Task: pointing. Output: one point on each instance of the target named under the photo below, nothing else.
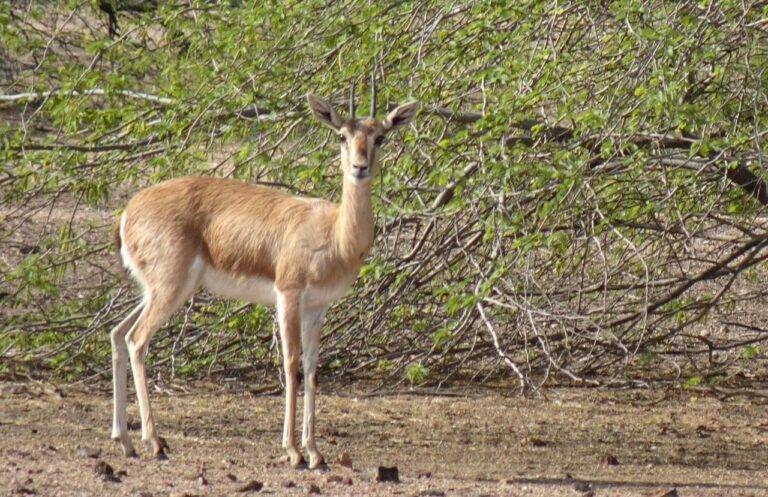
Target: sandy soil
(610, 443)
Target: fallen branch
(35, 96)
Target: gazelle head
(360, 139)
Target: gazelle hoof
(158, 447)
(296, 460)
(320, 467)
(163, 444)
(126, 446)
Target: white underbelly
(249, 288)
(262, 290)
(323, 296)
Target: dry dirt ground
(627, 443)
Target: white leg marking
(311, 321)
(119, 380)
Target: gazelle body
(253, 243)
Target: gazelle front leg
(289, 319)
(310, 342)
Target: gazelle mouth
(358, 175)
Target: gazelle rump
(253, 243)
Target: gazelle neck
(354, 225)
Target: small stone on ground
(390, 474)
(251, 486)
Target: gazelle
(254, 243)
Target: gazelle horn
(373, 91)
(352, 99)
(373, 88)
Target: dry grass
(486, 445)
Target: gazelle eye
(379, 140)
(342, 138)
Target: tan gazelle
(249, 242)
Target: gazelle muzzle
(361, 171)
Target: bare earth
(568, 444)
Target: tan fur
(250, 230)
(254, 243)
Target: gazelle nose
(360, 170)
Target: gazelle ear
(400, 116)
(324, 112)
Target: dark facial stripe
(360, 144)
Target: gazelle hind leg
(156, 312)
(161, 301)
(119, 381)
